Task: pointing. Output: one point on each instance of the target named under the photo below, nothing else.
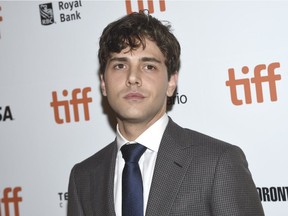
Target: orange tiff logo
(10, 196)
(78, 96)
(150, 5)
(262, 74)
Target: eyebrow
(150, 59)
(121, 59)
(143, 59)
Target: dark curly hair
(131, 31)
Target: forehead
(149, 50)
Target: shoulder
(100, 158)
(202, 142)
(209, 154)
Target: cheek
(112, 89)
(160, 89)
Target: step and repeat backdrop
(233, 86)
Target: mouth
(134, 96)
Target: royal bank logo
(142, 5)
(46, 14)
(64, 11)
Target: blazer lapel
(172, 162)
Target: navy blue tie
(132, 186)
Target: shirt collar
(150, 138)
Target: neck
(131, 130)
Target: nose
(134, 78)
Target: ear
(172, 84)
(103, 85)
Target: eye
(119, 66)
(149, 67)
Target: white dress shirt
(151, 139)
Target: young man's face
(136, 84)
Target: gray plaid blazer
(195, 175)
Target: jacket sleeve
(234, 192)
(74, 204)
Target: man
(183, 172)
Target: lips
(134, 96)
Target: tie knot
(132, 153)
